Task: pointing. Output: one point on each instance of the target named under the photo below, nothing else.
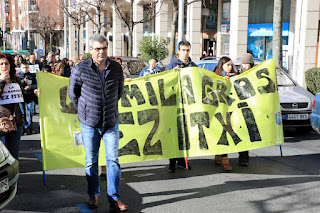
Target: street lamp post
(4, 24)
(28, 43)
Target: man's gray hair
(97, 37)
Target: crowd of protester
(17, 70)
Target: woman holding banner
(226, 69)
(11, 122)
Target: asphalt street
(271, 183)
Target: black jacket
(28, 95)
(97, 104)
(175, 61)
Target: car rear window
(207, 66)
(135, 66)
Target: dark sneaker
(172, 165)
(243, 161)
(25, 130)
(182, 165)
(93, 202)
(118, 205)
(29, 131)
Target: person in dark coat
(95, 87)
(180, 60)
(8, 76)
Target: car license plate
(297, 117)
(4, 185)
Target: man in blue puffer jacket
(180, 60)
(95, 87)
(152, 69)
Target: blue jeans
(12, 141)
(91, 138)
(27, 109)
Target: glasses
(102, 48)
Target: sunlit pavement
(271, 183)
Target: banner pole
(44, 177)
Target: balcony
(33, 8)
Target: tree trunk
(78, 41)
(277, 32)
(131, 30)
(50, 41)
(130, 39)
(99, 22)
(173, 29)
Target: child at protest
(46, 68)
(226, 69)
(29, 84)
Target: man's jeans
(91, 139)
(27, 109)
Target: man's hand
(4, 75)
(127, 79)
(36, 92)
(27, 88)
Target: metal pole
(65, 31)
(219, 36)
(181, 20)
(4, 25)
(28, 5)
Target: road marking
(39, 156)
(84, 208)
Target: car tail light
(313, 104)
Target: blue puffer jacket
(146, 71)
(175, 61)
(97, 104)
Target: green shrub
(153, 47)
(312, 77)
(86, 56)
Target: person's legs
(23, 111)
(111, 143)
(30, 112)
(13, 142)
(91, 139)
(244, 158)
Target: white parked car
(296, 102)
(9, 175)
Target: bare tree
(78, 14)
(127, 18)
(45, 24)
(94, 9)
(277, 32)
(174, 26)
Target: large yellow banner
(191, 112)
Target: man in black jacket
(29, 84)
(95, 87)
(180, 60)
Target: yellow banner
(191, 112)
